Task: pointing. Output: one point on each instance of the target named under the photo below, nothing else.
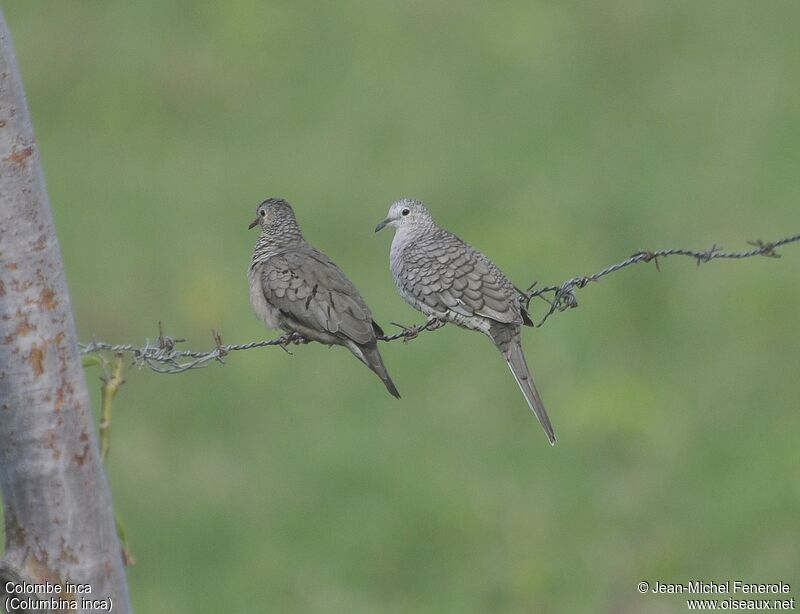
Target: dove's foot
(408, 332)
(412, 332)
(287, 339)
(433, 323)
(284, 341)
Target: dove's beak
(382, 224)
(253, 224)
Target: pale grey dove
(297, 288)
(450, 281)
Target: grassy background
(556, 136)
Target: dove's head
(407, 213)
(274, 214)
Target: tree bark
(59, 520)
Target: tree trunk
(59, 520)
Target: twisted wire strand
(162, 356)
(563, 295)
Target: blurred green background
(558, 137)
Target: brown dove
(296, 288)
(450, 281)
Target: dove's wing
(306, 285)
(446, 274)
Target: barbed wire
(564, 294)
(163, 356)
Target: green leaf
(90, 360)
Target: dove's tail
(370, 356)
(512, 352)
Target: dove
(296, 288)
(450, 281)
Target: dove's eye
(405, 212)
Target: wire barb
(164, 357)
